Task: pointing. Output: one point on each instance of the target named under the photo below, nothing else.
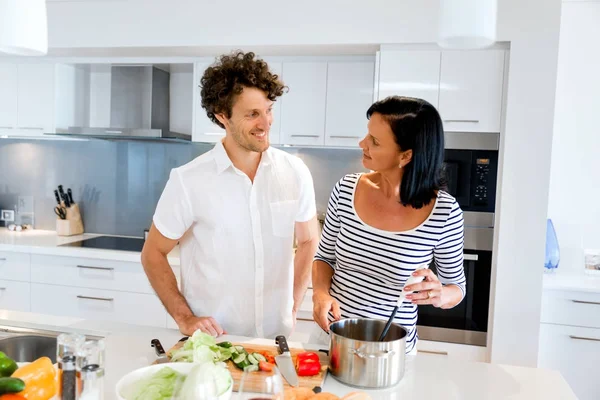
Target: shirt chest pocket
(283, 216)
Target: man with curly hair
(235, 211)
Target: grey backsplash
(118, 183)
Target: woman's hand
(430, 290)
(323, 303)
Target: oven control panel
(482, 172)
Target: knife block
(72, 225)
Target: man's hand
(189, 325)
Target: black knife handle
(157, 346)
(66, 200)
(57, 196)
(61, 191)
(70, 194)
(282, 343)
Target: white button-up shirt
(237, 237)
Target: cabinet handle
(6, 127)
(343, 137)
(309, 136)
(37, 128)
(113, 132)
(3, 259)
(100, 268)
(2, 288)
(471, 121)
(95, 298)
(305, 319)
(584, 338)
(441, 353)
(586, 302)
(471, 257)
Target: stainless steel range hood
(136, 106)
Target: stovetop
(110, 243)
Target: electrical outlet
(7, 215)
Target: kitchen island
(427, 376)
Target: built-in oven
(466, 323)
(471, 170)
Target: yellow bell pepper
(40, 379)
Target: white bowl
(140, 373)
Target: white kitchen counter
(572, 280)
(48, 242)
(427, 376)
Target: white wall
(531, 26)
(575, 176)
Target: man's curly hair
(224, 80)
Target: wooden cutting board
(252, 384)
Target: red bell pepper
(308, 364)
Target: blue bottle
(552, 249)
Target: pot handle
(380, 354)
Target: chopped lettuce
(205, 381)
(159, 386)
(199, 348)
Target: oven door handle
(471, 257)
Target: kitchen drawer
(573, 351)
(14, 295)
(452, 350)
(90, 273)
(571, 308)
(94, 304)
(14, 266)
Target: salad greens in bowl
(203, 377)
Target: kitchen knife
(284, 361)
(57, 196)
(161, 356)
(61, 192)
(66, 200)
(70, 194)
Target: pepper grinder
(67, 348)
(91, 365)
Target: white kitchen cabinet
(204, 130)
(452, 350)
(349, 95)
(471, 85)
(27, 99)
(574, 352)
(98, 304)
(303, 107)
(571, 308)
(412, 73)
(35, 99)
(90, 273)
(14, 295)
(8, 98)
(14, 266)
(275, 131)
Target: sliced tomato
(268, 356)
(265, 366)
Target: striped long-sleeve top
(371, 265)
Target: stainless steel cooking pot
(358, 359)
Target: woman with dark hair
(382, 225)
